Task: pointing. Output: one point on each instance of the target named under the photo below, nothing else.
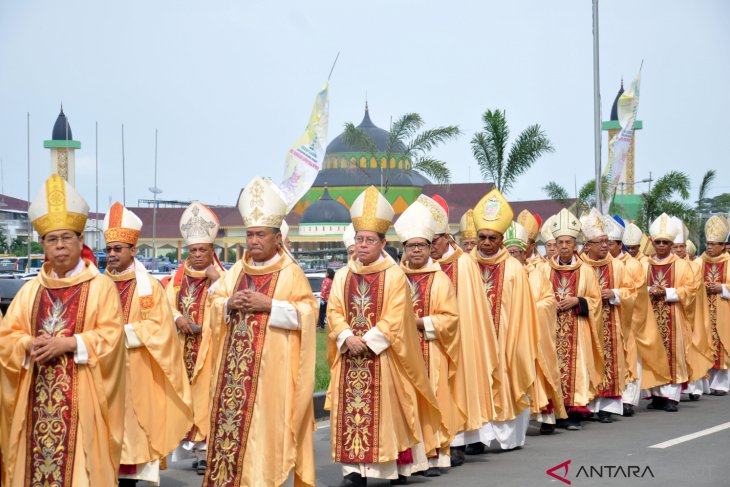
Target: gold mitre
(632, 235)
(262, 204)
(467, 229)
(58, 206)
(493, 212)
(371, 211)
(516, 236)
(691, 248)
(416, 222)
(121, 225)
(440, 218)
(663, 228)
(592, 225)
(530, 223)
(647, 246)
(546, 233)
(198, 224)
(716, 229)
(565, 224)
(348, 238)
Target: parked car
(315, 281)
(9, 287)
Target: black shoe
(574, 425)
(127, 482)
(671, 406)
(354, 480)
(604, 417)
(201, 467)
(195, 464)
(433, 472)
(628, 410)
(457, 456)
(694, 397)
(561, 423)
(476, 449)
(716, 392)
(402, 480)
(657, 403)
(547, 429)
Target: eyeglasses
(370, 241)
(491, 238)
(419, 246)
(663, 242)
(598, 242)
(116, 249)
(64, 239)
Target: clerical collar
(485, 256)
(560, 261)
(272, 260)
(380, 259)
(427, 264)
(116, 273)
(448, 253)
(73, 272)
(657, 259)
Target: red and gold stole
(663, 275)
(358, 415)
(493, 281)
(420, 286)
(565, 284)
(190, 301)
(714, 272)
(610, 385)
(52, 418)
(236, 385)
(126, 293)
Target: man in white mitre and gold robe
(467, 231)
(62, 359)
(383, 413)
(262, 415)
(157, 408)
(434, 303)
(190, 297)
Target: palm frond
(556, 192)
(486, 158)
(707, 180)
(403, 129)
(526, 150)
(437, 170)
(358, 138)
(429, 139)
(672, 182)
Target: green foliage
(659, 199)
(586, 198)
(322, 368)
(19, 247)
(418, 146)
(489, 148)
(4, 244)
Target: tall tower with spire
(62, 145)
(613, 127)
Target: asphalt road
(702, 461)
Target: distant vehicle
(13, 263)
(315, 281)
(8, 289)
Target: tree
(404, 139)
(4, 246)
(489, 148)
(586, 198)
(659, 199)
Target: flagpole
(96, 156)
(597, 108)
(30, 230)
(333, 65)
(124, 178)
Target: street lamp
(155, 191)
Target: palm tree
(703, 208)
(404, 139)
(585, 200)
(495, 161)
(659, 200)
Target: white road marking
(323, 425)
(692, 436)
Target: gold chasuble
(714, 316)
(187, 294)
(62, 422)
(477, 379)
(262, 415)
(157, 410)
(670, 318)
(546, 394)
(379, 403)
(577, 340)
(433, 296)
(612, 275)
(508, 292)
(633, 315)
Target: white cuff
(616, 300)
(725, 293)
(26, 361)
(211, 288)
(226, 316)
(81, 355)
(376, 341)
(131, 340)
(283, 315)
(429, 332)
(344, 335)
(672, 296)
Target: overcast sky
(230, 85)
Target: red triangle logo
(560, 476)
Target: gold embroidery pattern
(420, 286)
(492, 281)
(236, 388)
(357, 427)
(609, 386)
(714, 274)
(52, 416)
(191, 304)
(661, 275)
(565, 284)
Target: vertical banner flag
(304, 159)
(628, 106)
